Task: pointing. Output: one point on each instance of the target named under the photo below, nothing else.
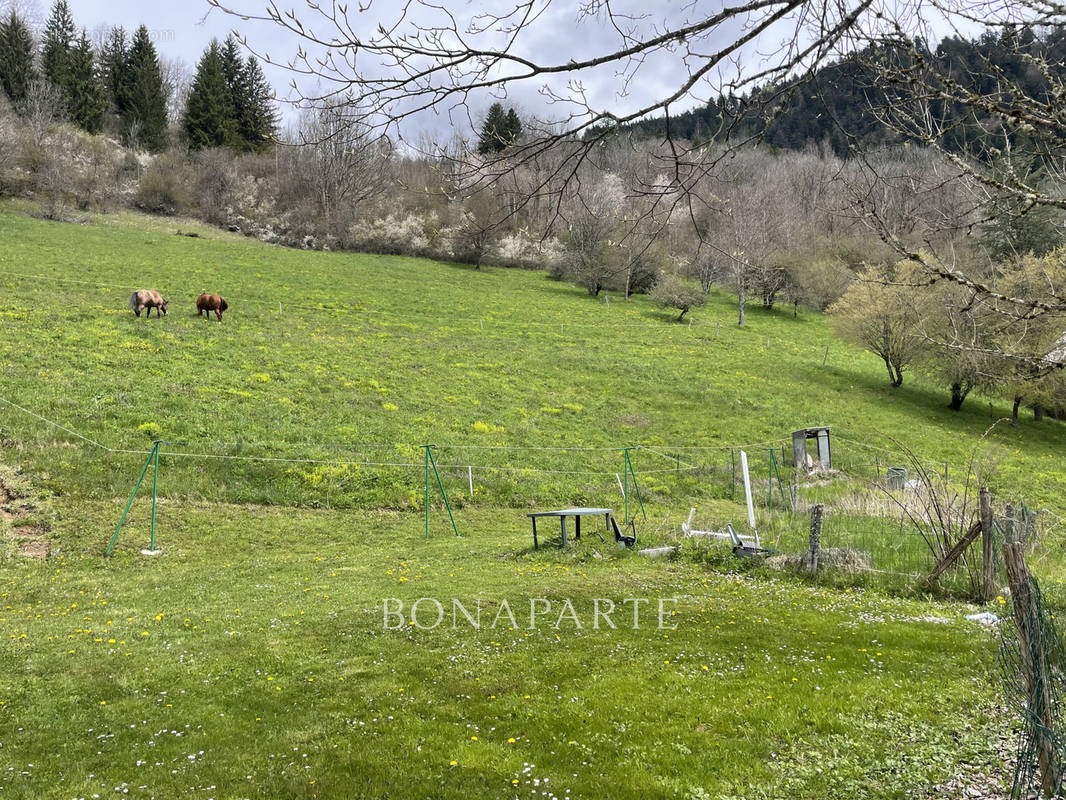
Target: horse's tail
(133, 300)
(222, 303)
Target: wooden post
(988, 585)
(953, 554)
(815, 538)
(1035, 677)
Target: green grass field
(250, 658)
(371, 357)
(250, 661)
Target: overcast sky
(181, 29)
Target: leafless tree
(478, 225)
(32, 11)
(593, 258)
(423, 57)
(8, 145)
(740, 226)
(41, 108)
(177, 81)
(216, 175)
(336, 156)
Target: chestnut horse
(209, 303)
(148, 298)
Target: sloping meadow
(330, 371)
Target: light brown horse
(209, 303)
(148, 298)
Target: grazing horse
(209, 303)
(148, 298)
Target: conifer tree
(499, 131)
(146, 107)
(58, 44)
(234, 75)
(514, 126)
(16, 56)
(86, 99)
(115, 69)
(209, 120)
(259, 122)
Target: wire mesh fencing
(1032, 666)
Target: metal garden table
(577, 514)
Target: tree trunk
(740, 306)
(1038, 412)
(897, 379)
(1014, 411)
(957, 396)
(891, 374)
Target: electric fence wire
(331, 462)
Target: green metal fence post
(137, 486)
(443, 493)
(628, 472)
(432, 462)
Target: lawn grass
(250, 660)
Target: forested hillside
(832, 107)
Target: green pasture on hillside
(336, 361)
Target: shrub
(673, 291)
(522, 251)
(409, 234)
(215, 183)
(8, 147)
(164, 187)
(819, 281)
